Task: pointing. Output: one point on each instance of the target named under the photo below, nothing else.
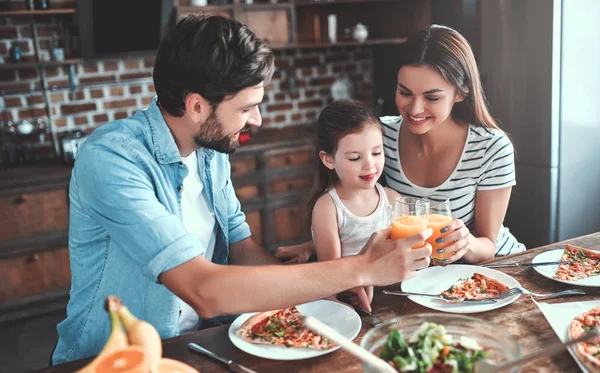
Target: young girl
(347, 203)
(445, 142)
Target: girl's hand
(295, 254)
(361, 297)
(459, 239)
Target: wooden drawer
(254, 220)
(34, 274)
(287, 159)
(185, 10)
(290, 185)
(243, 166)
(290, 223)
(269, 25)
(33, 213)
(247, 192)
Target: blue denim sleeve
(117, 193)
(238, 228)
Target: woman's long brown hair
(338, 119)
(449, 53)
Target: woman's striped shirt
(487, 163)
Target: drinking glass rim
(433, 203)
(415, 200)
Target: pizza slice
(283, 327)
(585, 263)
(588, 352)
(477, 287)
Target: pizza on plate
(585, 263)
(477, 287)
(588, 352)
(281, 328)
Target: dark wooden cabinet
(273, 182)
(292, 184)
(34, 274)
(289, 223)
(27, 214)
(280, 158)
(34, 224)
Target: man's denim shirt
(126, 227)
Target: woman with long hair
(446, 143)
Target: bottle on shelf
(42, 5)
(58, 53)
(10, 142)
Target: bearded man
(154, 218)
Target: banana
(140, 333)
(117, 339)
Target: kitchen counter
(52, 174)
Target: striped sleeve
(498, 164)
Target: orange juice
(437, 222)
(405, 226)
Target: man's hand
(387, 262)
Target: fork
(374, 319)
(519, 290)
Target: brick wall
(300, 99)
(297, 93)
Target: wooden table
(522, 319)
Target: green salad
(431, 350)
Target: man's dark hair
(213, 56)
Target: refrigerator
(540, 66)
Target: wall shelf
(221, 8)
(306, 3)
(10, 13)
(33, 64)
(33, 244)
(349, 43)
(37, 305)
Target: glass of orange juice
(409, 216)
(439, 217)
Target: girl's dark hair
(338, 119)
(213, 56)
(449, 53)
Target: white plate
(559, 316)
(550, 271)
(434, 280)
(340, 317)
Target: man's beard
(211, 136)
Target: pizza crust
(592, 363)
(244, 330)
(301, 340)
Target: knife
(526, 264)
(235, 367)
(445, 299)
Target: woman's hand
(295, 254)
(459, 240)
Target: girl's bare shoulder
(324, 203)
(391, 194)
